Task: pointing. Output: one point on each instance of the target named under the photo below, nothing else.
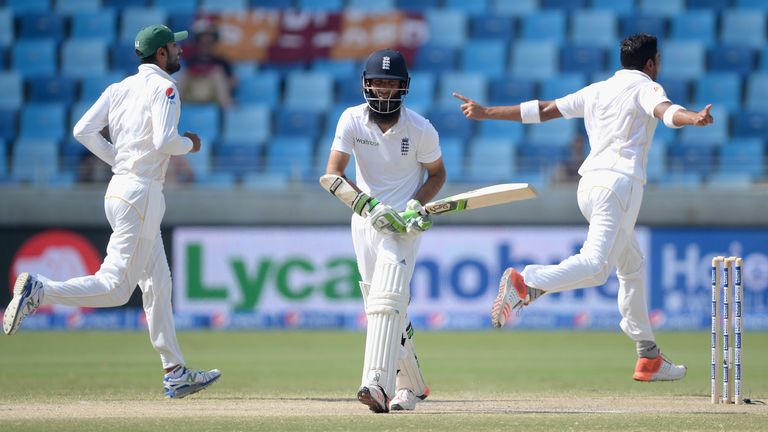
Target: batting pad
(409, 374)
(385, 308)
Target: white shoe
(513, 294)
(27, 295)
(404, 400)
(374, 397)
(658, 369)
(182, 382)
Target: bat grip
(409, 214)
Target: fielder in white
(398, 162)
(620, 115)
(142, 113)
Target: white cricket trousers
(610, 202)
(135, 255)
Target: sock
(647, 349)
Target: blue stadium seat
(751, 124)
(535, 60)
(487, 56)
(181, 21)
(265, 181)
(53, 89)
(308, 90)
(553, 132)
(4, 171)
(594, 27)
(41, 25)
(84, 58)
(34, 58)
(475, 7)
(682, 60)
(500, 130)
(237, 158)
(218, 180)
(72, 154)
(450, 122)
(123, 58)
(743, 27)
(321, 5)
(586, 59)
(511, 90)
(72, 7)
(247, 124)
(435, 58)
(695, 25)
(202, 119)
(23, 6)
(758, 5)
(35, 160)
(174, 7)
(566, 5)
(680, 180)
(678, 89)
(517, 8)
(371, 5)
(472, 85)
(201, 161)
(716, 133)
(642, 23)
(547, 25)
(349, 90)
(290, 156)
(745, 155)
(76, 112)
(422, 91)
(133, 19)
(491, 161)
(99, 24)
(93, 87)
(757, 92)
(263, 87)
(12, 95)
(292, 122)
(42, 121)
(491, 26)
(271, 4)
(721, 90)
(6, 27)
(538, 156)
(665, 8)
(621, 7)
(711, 5)
(656, 166)
(561, 85)
(447, 27)
(224, 6)
(416, 5)
(691, 157)
(731, 58)
(3, 57)
(453, 157)
(8, 124)
(122, 4)
(729, 180)
(336, 67)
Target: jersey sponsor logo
(170, 94)
(404, 146)
(366, 142)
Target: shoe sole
(11, 316)
(177, 395)
(498, 318)
(365, 397)
(398, 407)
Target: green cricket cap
(149, 39)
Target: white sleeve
(165, 106)
(429, 145)
(88, 130)
(650, 96)
(572, 105)
(343, 140)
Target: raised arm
(533, 111)
(675, 116)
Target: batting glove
(420, 223)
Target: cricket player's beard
(173, 66)
(384, 118)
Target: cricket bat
(483, 197)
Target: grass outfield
(72, 381)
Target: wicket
(727, 289)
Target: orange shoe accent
(646, 368)
(426, 393)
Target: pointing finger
(461, 97)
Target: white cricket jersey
(618, 115)
(388, 165)
(142, 112)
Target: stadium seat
(84, 58)
(42, 121)
(541, 156)
(73, 7)
(34, 160)
(680, 180)
(731, 180)
(721, 90)
(500, 130)
(453, 157)
(642, 23)
(743, 27)
(491, 26)
(202, 119)
(349, 90)
(665, 8)
(294, 122)
(271, 4)
(517, 8)
(472, 85)
(447, 27)
(554, 132)
(450, 122)
(758, 5)
(12, 95)
(41, 25)
(247, 124)
(745, 155)
(567, 5)
(620, 7)
(6, 27)
(201, 161)
(336, 67)
(656, 165)
(8, 124)
(714, 134)
(99, 24)
(133, 19)
(223, 6)
(487, 56)
(491, 161)
(757, 92)
(535, 60)
(53, 89)
(308, 90)
(710, 5)
(34, 58)
(510, 90)
(421, 93)
(546, 25)
(23, 6)
(174, 7)
(290, 156)
(371, 5)
(678, 89)
(691, 157)
(181, 20)
(71, 155)
(475, 7)
(219, 180)
(4, 172)
(586, 59)
(435, 58)
(265, 181)
(682, 60)
(695, 25)
(122, 4)
(263, 87)
(751, 124)
(594, 27)
(731, 58)
(237, 158)
(123, 58)
(561, 85)
(321, 5)
(93, 87)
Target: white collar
(151, 67)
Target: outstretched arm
(546, 110)
(675, 116)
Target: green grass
(78, 367)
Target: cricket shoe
(513, 294)
(405, 400)
(374, 397)
(658, 369)
(27, 295)
(182, 382)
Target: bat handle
(409, 214)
